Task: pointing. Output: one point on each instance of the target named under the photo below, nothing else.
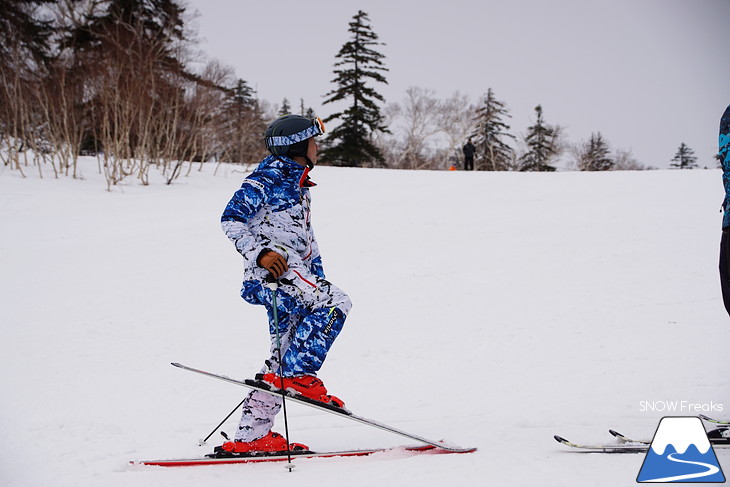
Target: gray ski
(341, 412)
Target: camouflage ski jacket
(271, 211)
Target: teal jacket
(725, 161)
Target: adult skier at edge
(268, 220)
(724, 155)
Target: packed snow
(491, 310)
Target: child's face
(312, 150)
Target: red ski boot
(308, 386)
(271, 443)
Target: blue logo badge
(680, 452)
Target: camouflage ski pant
(310, 312)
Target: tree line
(112, 78)
(425, 132)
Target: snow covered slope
(490, 309)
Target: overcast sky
(647, 74)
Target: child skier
(268, 221)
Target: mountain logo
(680, 452)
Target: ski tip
(560, 439)
(712, 420)
(442, 447)
(175, 364)
(615, 434)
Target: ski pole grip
(271, 282)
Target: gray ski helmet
(288, 135)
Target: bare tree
(416, 119)
(624, 160)
(427, 132)
(456, 119)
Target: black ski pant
(725, 268)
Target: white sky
(647, 74)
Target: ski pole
(202, 442)
(274, 286)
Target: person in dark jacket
(469, 150)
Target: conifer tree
(542, 145)
(243, 95)
(128, 57)
(24, 36)
(134, 25)
(350, 142)
(25, 45)
(493, 153)
(242, 124)
(595, 155)
(285, 108)
(684, 158)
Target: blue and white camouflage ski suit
(271, 211)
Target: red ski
(398, 452)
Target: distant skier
(468, 151)
(724, 155)
(268, 220)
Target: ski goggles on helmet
(317, 128)
(319, 124)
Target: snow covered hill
(490, 310)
